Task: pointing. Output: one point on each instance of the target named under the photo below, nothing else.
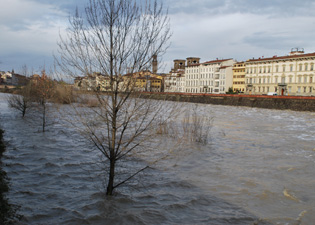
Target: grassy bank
(7, 212)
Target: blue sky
(209, 29)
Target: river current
(258, 168)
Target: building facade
(175, 80)
(214, 76)
(239, 77)
(293, 74)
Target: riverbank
(295, 103)
(7, 211)
(8, 89)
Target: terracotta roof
(193, 58)
(154, 78)
(282, 57)
(215, 61)
(19, 75)
(223, 67)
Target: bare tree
(115, 37)
(43, 89)
(21, 102)
(24, 70)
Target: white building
(7, 77)
(210, 77)
(170, 83)
(175, 80)
(180, 82)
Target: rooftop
(216, 61)
(282, 57)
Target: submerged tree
(21, 102)
(115, 37)
(43, 90)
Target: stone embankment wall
(296, 103)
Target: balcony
(282, 84)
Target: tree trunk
(110, 185)
(44, 117)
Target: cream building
(170, 83)
(210, 77)
(180, 82)
(175, 80)
(284, 75)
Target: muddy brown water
(259, 168)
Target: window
(277, 69)
(283, 68)
(304, 89)
(299, 90)
(291, 68)
(312, 67)
(289, 89)
(290, 80)
(283, 80)
(269, 69)
(306, 67)
(300, 67)
(300, 79)
(305, 79)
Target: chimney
(154, 64)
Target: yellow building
(143, 81)
(239, 77)
(94, 81)
(155, 84)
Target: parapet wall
(296, 103)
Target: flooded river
(259, 168)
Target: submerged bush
(195, 126)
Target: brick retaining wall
(296, 103)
